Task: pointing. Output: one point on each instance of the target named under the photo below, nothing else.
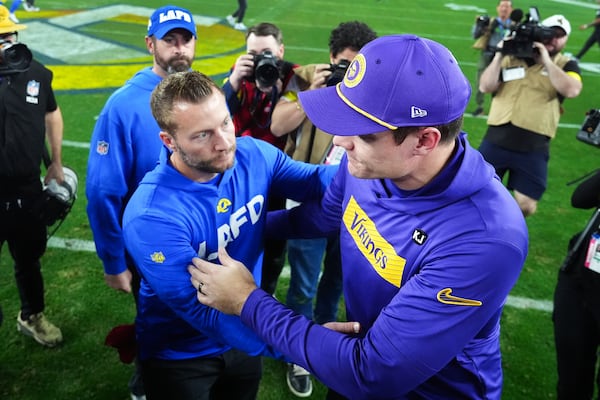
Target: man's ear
(429, 139)
(167, 140)
(149, 44)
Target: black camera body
(337, 72)
(481, 24)
(266, 69)
(523, 35)
(590, 130)
(14, 58)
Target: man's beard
(206, 166)
(175, 64)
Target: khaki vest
(530, 103)
(314, 143)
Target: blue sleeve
(296, 180)
(160, 246)
(316, 217)
(413, 337)
(109, 161)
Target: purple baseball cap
(167, 18)
(394, 81)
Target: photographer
(489, 32)
(526, 108)
(251, 99)
(576, 313)
(252, 92)
(28, 115)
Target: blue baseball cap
(167, 18)
(394, 81)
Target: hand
(541, 56)
(55, 171)
(343, 327)
(319, 78)
(224, 287)
(244, 66)
(121, 282)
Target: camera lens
(15, 57)
(266, 69)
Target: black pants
(241, 11)
(232, 375)
(577, 339)
(26, 238)
(594, 38)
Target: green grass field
(94, 46)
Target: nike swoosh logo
(445, 296)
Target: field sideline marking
(88, 246)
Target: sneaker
(298, 380)
(13, 18)
(240, 26)
(230, 19)
(136, 397)
(39, 328)
(30, 7)
(478, 111)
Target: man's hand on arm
(224, 287)
(120, 281)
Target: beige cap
(6, 25)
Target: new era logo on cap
(168, 18)
(416, 112)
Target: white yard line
(88, 246)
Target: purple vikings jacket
(426, 273)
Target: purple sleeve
(417, 334)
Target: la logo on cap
(174, 14)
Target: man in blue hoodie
(208, 191)
(431, 242)
(125, 145)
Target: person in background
(208, 191)
(515, 143)
(488, 36)
(29, 114)
(431, 241)
(252, 101)
(237, 17)
(310, 144)
(576, 313)
(594, 36)
(125, 145)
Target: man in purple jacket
(431, 241)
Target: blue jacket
(170, 219)
(124, 146)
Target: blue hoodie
(124, 146)
(170, 219)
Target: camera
(337, 72)
(523, 35)
(481, 24)
(14, 57)
(266, 69)
(590, 130)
